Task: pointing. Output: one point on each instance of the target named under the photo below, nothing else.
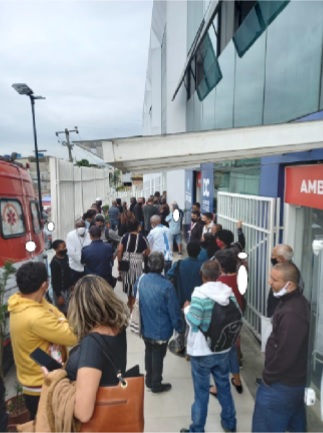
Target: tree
(83, 163)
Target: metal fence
(260, 216)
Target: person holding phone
(34, 323)
(95, 313)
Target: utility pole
(67, 142)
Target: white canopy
(173, 151)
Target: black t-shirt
(142, 243)
(89, 354)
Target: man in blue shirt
(174, 220)
(160, 315)
(98, 256)
(114, 213)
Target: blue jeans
(279, 408)
(234, 361)
(167, 266)
(202, 367)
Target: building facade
(228, 64)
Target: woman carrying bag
(132, 249)
(98, 394)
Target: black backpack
(225, 326)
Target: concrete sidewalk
(171, 411)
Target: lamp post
(23, 89)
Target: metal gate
(260, 216)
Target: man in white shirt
(207, 218)
(75, 241)
(160, 239)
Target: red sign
(304, 185)
(199, 179)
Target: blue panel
(189, 194)
(207, 187)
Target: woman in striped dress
(133, 248)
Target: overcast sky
(88, 58)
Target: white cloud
(88, 58)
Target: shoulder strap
(128, 241)
(165, 240)
(108, 356)
(137, 294)
(137, 241)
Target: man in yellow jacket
(34, 323)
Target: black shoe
(237, 387)
(184, 430)
(227, 429)
(258, 381)
(164, 387)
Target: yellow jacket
(32, 325)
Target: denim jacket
(159, 307)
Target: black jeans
(154, 362)
(32, 404)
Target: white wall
(173, 15)
(176, 54)
(73, 190)
(175, 181)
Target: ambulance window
(12, 218)
(35, 215)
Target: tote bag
(118, 408)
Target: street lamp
(23, 89)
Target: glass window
(208, 72)
(224, 89)
(35, 215)
(248, 32)
(270, 9)
(12, 219)
(259, 16)
(249, 85)
(293, 64)
(309, 227)
(195, 15)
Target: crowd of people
(176, 299)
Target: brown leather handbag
(118, 408)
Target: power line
(67, 142)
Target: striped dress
(133, 247)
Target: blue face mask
(87, 224)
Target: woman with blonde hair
(98, 318)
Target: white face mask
(81, 231)
(282, 292)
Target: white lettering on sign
(206, 183)
(312, 186)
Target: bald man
(160, 239)
(279, 404)
(281, 253)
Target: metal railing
(260, 216)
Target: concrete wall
(73, 190)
